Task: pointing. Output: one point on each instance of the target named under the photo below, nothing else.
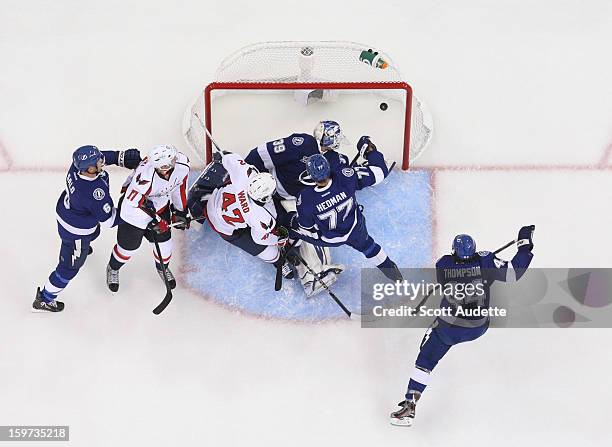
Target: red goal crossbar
(310, 86)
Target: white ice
(522, 103)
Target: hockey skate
(112, 279)
(169, 277)
(40, 305)
(405, 415)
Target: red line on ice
(603, 162)
(6, 157)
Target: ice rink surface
(522, 106)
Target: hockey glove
(283, 235)
(218, 155)
(129, 158)
(160, 226)
(524, 241)
(365, 146)
(181, 219)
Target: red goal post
(331, 73)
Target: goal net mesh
(262, 67)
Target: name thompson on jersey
(466, 316)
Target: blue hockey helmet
(318, 167)
(86, 156)
(328, 134)
(464, 246)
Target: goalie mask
(328, 134)
(262, 187)
(163, 157)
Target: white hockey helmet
(262, 187)
(163, 157)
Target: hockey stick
(500, 249)
(278, 280)
(213, 141)
(161, 306)
(191, 219)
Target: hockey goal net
(268, 90)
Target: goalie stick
(500, 249)
(351, 315)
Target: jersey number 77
(343, 210)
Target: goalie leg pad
(319, 260)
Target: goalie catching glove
(365, 146)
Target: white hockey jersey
(230, 208)
(146, 184)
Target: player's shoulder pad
(145, 170)
(306, 196)
(182, 159)
(484, 254)
(490, 261)
(348, 172)
(99, 193)
(96, 189)
(299, 139)
(444, 260)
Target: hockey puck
(383, 106)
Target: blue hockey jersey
(85, 203)
(330, 213)
(481, 272)
(286, 160)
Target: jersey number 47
(228, 200)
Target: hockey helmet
(262, 187)
(318, 167)
(464, 247)
(328, 134)
(163, 157)
(85, 157)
